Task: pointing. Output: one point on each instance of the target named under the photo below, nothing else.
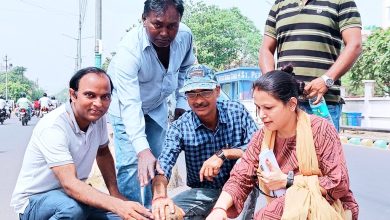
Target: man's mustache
(200, 105)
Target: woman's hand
(273, 180)
(217, 214)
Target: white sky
(37, 34)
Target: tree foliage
(224, 38)
(18, 83)
(374, 63)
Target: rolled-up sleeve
(124, 67)
(171, 150)
(242, 180)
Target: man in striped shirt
(309, 34)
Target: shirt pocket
(170, 83)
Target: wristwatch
(328, 81)
(290, 179)
(220, 154)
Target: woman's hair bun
(288, 69)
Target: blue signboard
(237, 82)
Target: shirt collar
(74, 125)
(222, 118)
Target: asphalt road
(369, 171)
(13, 141)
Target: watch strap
(220, 154)
(290, 179)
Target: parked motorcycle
(3, 115)
(24, 117)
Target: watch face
(329, 82)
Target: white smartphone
(269, 154)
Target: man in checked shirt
(213, 136)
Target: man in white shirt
(3, 103)
(24, 102)
(60, 155)
(44, 101)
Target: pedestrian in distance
(60, 155)
(149, 65)
(213, 136)
(310, 35)
(309, 160)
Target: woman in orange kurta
(275, 96)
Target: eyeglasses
(205, 94)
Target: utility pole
(98, 34)
(78, 64)
(6, 77)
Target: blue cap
(199, 77)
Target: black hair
(75, 80)
(281, 84)
(45, 94)
(160, 6)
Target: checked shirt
(234, 130)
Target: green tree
(224, 38)
(18, 83)
(374, 63)
(63, 95)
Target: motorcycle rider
(54, 102)
(2, 102)
(25, 103)
(45, 103)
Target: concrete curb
(367, 142)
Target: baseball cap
(199, 77)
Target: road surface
(369, 171)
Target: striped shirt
(309, 35)
(234, 130)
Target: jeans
(334, 110)
(56, 204)
(197, 203)
(127, 160)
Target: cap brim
(195, 86)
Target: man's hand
(210, 168)
(146, 165)
(178, 113)
(273, 180)
(163, 207)
(132, 210)
(316, 88)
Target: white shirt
(57, 140)
(44, 101)
(142, 84)
(2, 103)
(24, 103)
